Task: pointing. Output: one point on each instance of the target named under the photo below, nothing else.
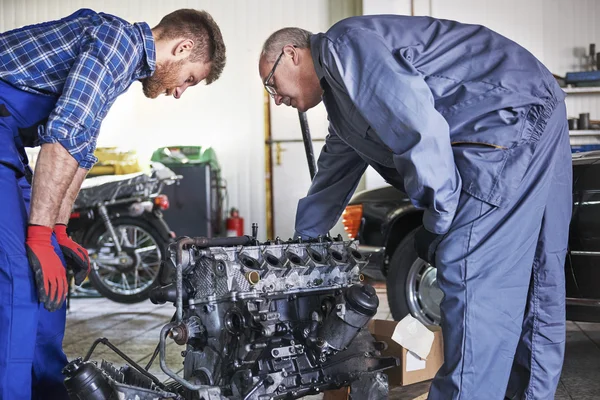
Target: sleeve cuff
(85, 160)
(437, 223)
(88, 161)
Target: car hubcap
(423, 293)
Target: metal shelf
(582, 138)
(584, 133)
(582, 90)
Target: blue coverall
(68, 72)
(31, 355)
(472, 127)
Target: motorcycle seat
(104, 179)
(102, 188)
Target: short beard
(166, 76)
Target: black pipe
(135, 365)
(310, 155)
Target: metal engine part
(273, 320)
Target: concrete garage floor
(135, 330)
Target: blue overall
(31, 355)
(472, 127)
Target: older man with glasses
(472, 127)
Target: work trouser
(502, 273)
(31, 355)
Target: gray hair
(297, 37)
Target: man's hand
(77, 258)
(426, 244)
(50, 274)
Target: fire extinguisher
(235, 223)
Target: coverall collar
(315, 46)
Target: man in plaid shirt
(57, 82)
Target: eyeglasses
(270, 88)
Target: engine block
(273, 320)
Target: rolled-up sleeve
(75, 121)
(398, 105)
(339, 170)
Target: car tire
(402, 282)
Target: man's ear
(292, 52)
(183, 48)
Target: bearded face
(165, 79)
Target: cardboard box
(412, 369)
(340, 394)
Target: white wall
(227, 114)
(569, 28)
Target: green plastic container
(186, 155)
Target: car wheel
(412, 285)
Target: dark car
(384, 221)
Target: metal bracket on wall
(280, 149)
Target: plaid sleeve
(90, 159)
(102, 63)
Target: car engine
(272, 320)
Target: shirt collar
(315, 51)
(148, 64)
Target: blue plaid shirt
(86, 60)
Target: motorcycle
(118, 219)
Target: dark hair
(203, 30)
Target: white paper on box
(414, 336)
(413, 362)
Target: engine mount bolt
(275, 352)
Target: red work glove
(50, 274)
(77, 257)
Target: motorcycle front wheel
(128, 276)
